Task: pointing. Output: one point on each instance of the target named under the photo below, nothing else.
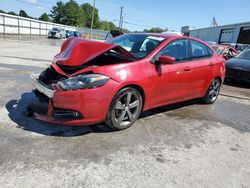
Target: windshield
(55, 29)
(139, 45)
(245, 54)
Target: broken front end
(72, 100)
(73, 90)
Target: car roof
(172, 36)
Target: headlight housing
(84, 81)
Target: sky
(144, 14)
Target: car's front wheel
(212, 92)
(124, 109)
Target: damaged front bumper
(41, 87)
(45, 110)
(75, 107)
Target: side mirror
(166, 60)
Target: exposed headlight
(84, 81)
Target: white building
(233, 33)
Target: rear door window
(199, 50)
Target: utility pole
(92, 20)
(121, 19)
(122, 23)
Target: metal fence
(16, 25)
(96, 34)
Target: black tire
(212, 92)
(123, 113)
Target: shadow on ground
(237, 84)
(17, 109)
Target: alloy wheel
(214, 90)
(127, 108)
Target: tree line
(73, 14)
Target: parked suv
(57, 32)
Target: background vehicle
(69, 33)
(211, 43)
(72, 33)
(225, 51)
(57, 32)
(238, 68)
(77, 34)
(115, 81)
(238, 47)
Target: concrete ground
(184, 145)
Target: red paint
(76, 51)
(224, 51)
(161, 84)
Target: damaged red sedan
(225, 51)
(113, 82)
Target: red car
(91, 82)
(225, 51)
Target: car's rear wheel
(212, 92)
(124, 109)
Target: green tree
(88, 11)
(12, 13)
(1, 11)
(112, 26)
(155, 30)
(104, 25)
(124, 30)
(69, 13)
(58, 13)
(23, 14)
(74, 14)
(44, 17)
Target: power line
(146, 22)
(135, 24)
(131, 23)
(33, 4)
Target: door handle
(187, 69)
(211, 64)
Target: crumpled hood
(76, 51)
(236, 63)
